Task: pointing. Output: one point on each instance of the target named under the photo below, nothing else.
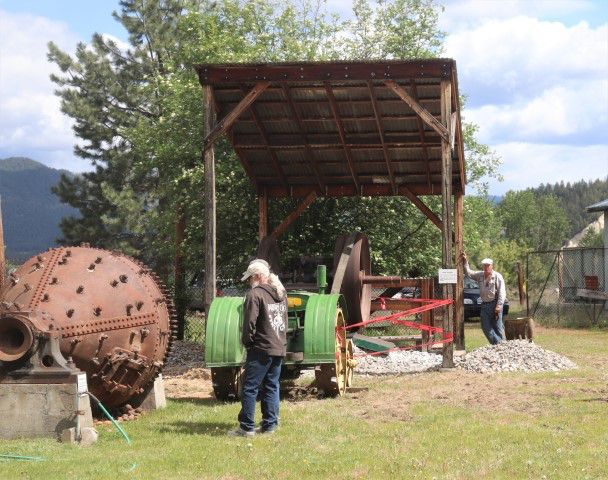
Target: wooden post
(459, 294)
(210, 232)
(263, 213)
(2, 257)
(520, 284)
(446, 197)
(179, 284)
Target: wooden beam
(446, 197)
(336, 113)
(425, 152)
(236, 112)
(422, 207)
(459, 139)
(389, 167)
(424, 114)
(295, 214)
(209, 201)
(433, 68)
(458, 248)
(273, 154)
(263, 213)
(308, 151)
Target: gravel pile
(513, 356)
(396, 362)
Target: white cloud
(525, 52)
(31, 123)
(528, 165)
(558, 112)
(465, 14)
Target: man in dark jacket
(265, 339)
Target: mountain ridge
(31, 212)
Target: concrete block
(153, 398)
(88, 436)
(41, 410)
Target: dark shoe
(261, 430)
(239, 432)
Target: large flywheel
(351, 265)
(333, 378)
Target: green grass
(551, 425)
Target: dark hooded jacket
(265, 321)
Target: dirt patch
(185, 382)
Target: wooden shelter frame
(403, 139)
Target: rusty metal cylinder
(113, 317)
(16, 339)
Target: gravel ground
(396, 362)
(514, 356)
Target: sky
(534, 72)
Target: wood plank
(323, 71)
(209, 201)
(234, 114)
(340, 127)
(593, 294)
(284, 225)
(389, 167)
(367, 189)
(426, 116)
(263, 213)
(446, 197)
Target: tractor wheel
(227, 383)
(332, 378)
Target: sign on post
(448, 275)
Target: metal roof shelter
(304, 130)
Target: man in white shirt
(493, 295)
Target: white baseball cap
(256, 267)
(487, 261)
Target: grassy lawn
(450, 424)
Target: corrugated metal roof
(323, 125)
(598, 207)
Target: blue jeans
(491, 324)
(261, 370)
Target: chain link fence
(567, 287)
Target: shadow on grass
(212, 429)
(208, 402)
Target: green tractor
(316, 336)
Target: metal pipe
(382, 281)
(16, 339)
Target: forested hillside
(574, 197)
(31, 213)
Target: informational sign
(82, 383)
(448, 275)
